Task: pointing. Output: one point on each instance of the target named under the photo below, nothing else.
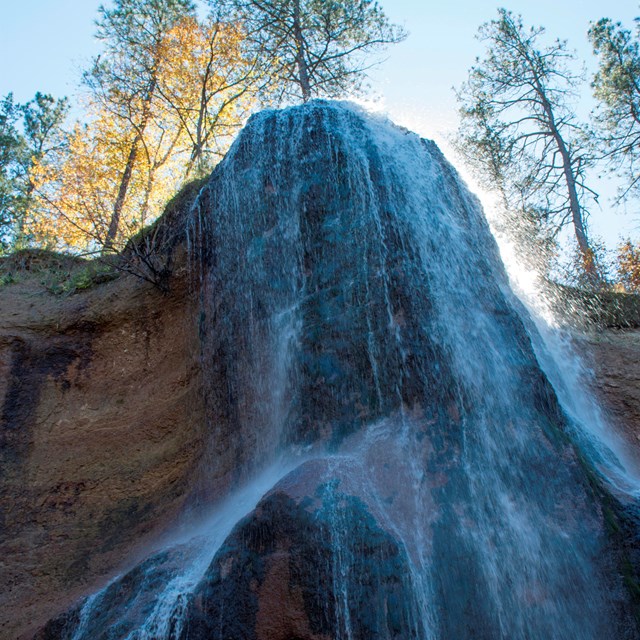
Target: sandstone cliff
(371, 303)
(614, 358)
(101, 432)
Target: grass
(58, 273)
(85, 277)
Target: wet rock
(123, 606)
(310, 563)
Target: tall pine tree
(616, 86)
(316, 48)
(521, 134)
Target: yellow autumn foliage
(204, 88)
(74, 201)
(211, 90)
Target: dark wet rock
(308, 559)
(124, 605)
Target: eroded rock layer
(102, 430)
(394, 462)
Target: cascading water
(607, 451)
(414, 474)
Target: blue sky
(45, 43)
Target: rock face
(102, 430)
(275, 576)
(614, 357)
(394, 460)
(361, 277)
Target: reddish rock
(311, 562)
(614, 358)
(101, 435)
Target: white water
(573, 381)
(355, 300)
(165, 620)
(196, 545)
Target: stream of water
(355, 303)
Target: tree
(124, 79)
(315, 47)
(616, 86)
(76, 196)
(46, 143)
(164, 99)
(628, 265)
(31, 134)
(12, 162)
(177, 87)
(209, 84)
(520, 133)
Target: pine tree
(616, 86)
(316, 48)
(520, 132)
(13, 159)
(31, 135)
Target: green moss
(186, 196)
(58, 273)
(611, 520)
(147, 255)
(621, 527)
(7, 279)
(37, 260)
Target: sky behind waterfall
(45, 43)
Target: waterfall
(571, 378)
(395, 461)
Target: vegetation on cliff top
(176, 79)
(161, 103)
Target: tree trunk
(195, 159)
(125, 181)
(198, 144)
(588, 259)
(114, 223)
(301, 61)
(586, 252)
